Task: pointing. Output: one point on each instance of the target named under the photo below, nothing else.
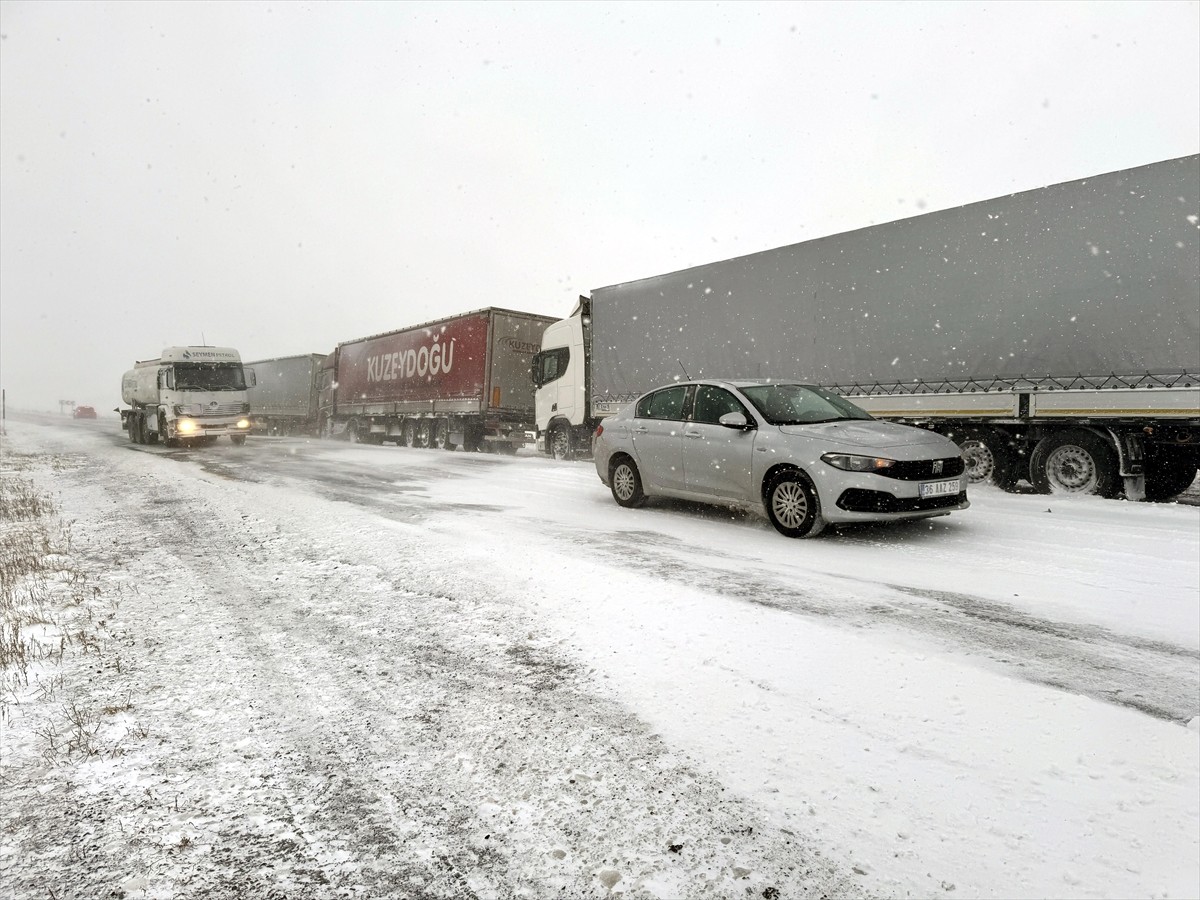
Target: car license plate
(939, 488)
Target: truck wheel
(162, 432)
(989, 459)
(238, 439)
(423, 435)
(1168, 477)
(131, 427)
(626, 483)
(793, 506)
(441, 432)
(352, 434)
(471, 439)
(1074, 462)
(561, 444)
(409, 433)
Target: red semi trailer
(461, 381)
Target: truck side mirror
(250, 376)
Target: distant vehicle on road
(803, 454)
(84, 412)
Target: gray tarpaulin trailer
(1054, 333)
(284, 399)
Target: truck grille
(222, 409)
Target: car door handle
(641, 430)
(692, 434)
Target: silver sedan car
(805, 456)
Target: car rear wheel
(626, 483)
(793, 507)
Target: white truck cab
(189, 394)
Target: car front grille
(924, 469)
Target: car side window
(664, 404)
(713, 402)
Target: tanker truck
(188, 396)
(457, 382)
(1054, 334)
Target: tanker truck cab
(188, 395)
(560, 378)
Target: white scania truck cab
(189, 395)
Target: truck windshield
(209, 377)
(800, 404)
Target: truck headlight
(185, 426)
(243, 423)
(850, 463)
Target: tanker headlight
(243, 423)
(185, 426)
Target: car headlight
(850, 463)
(185, 426)
(243, 423)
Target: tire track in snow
(1154, 677)
(336, 722)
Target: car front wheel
(793, 507)
(626, 484)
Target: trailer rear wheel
(423, 433)
(989, 458)
(441, 435)
(1168, 476)
(238, 439)
(471, 439)
(352, 433)
(1074, 462)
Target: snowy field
(322, 670)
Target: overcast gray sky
(282, 176)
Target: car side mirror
(735, 420)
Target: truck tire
(409, 433)
(989, 458)
(793, 506)
(561, 445)
(238, 439)
(1075, 461)
(423, 433)
(625, 482)
(352, 434)
(1168, 476)
(162, 431)
(441, 435)
(471, 439)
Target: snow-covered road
(372, 671)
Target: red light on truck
(495, 396)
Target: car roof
(740, 382)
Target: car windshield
(202, 377)
(800, 404)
